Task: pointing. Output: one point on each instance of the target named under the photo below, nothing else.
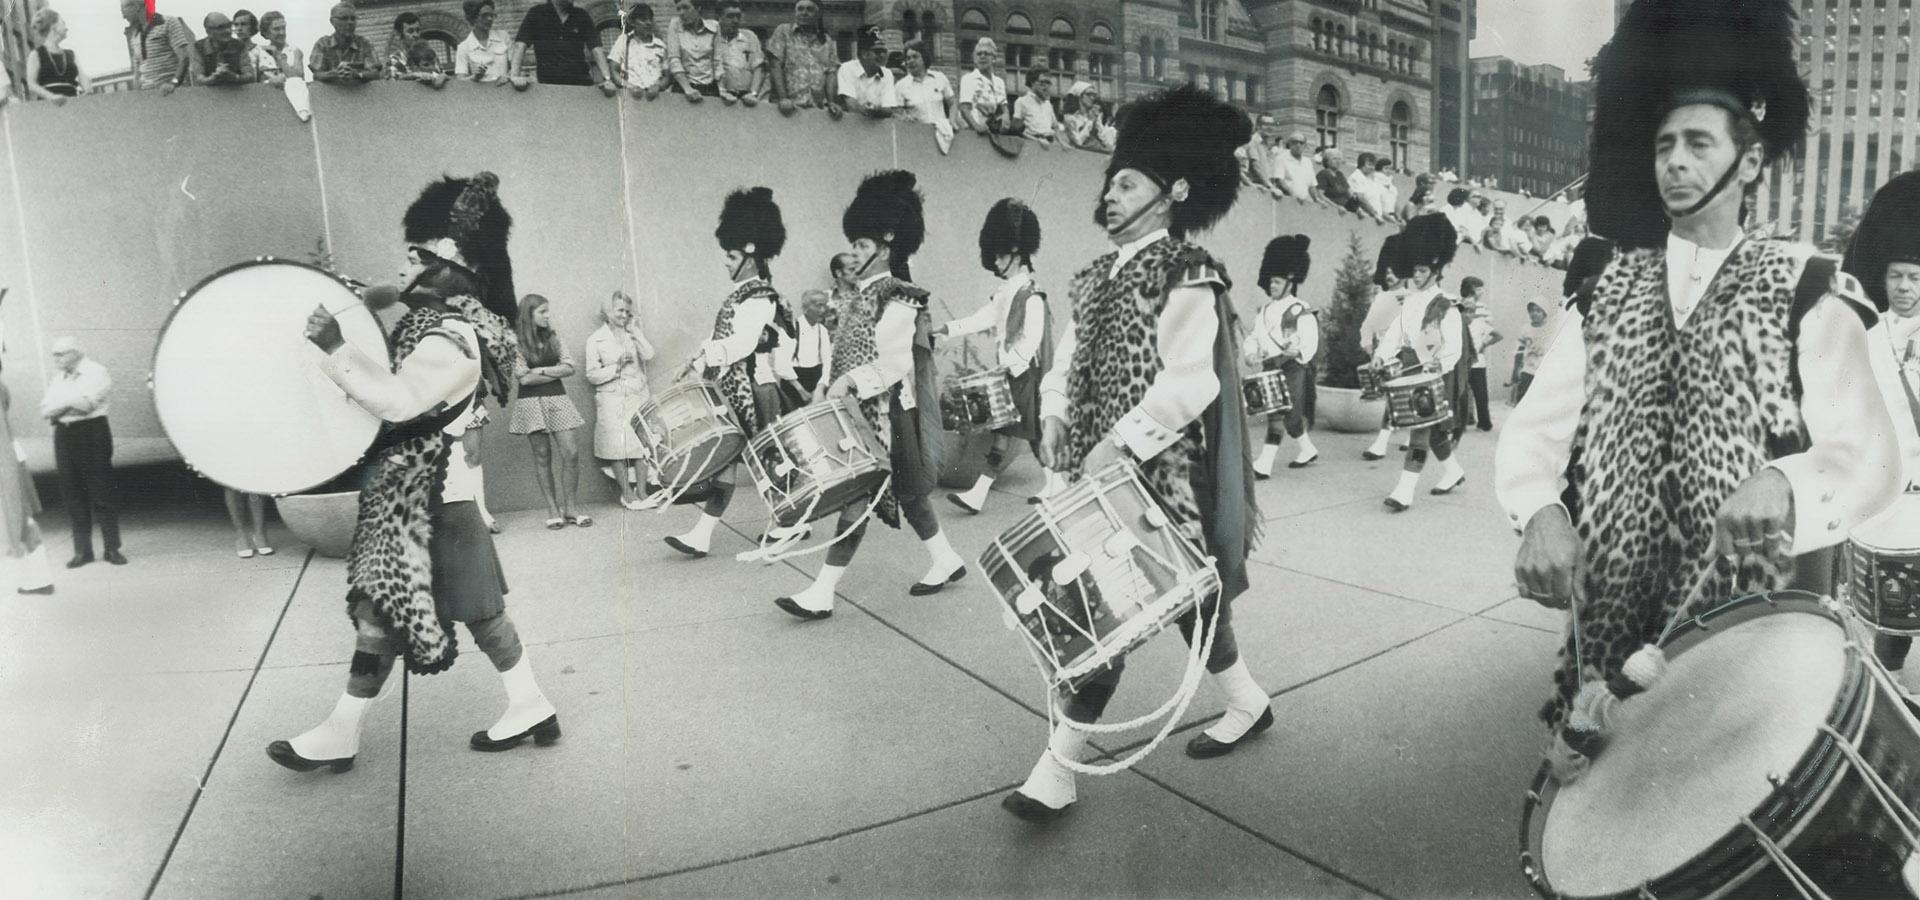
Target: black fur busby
(1010, 227)
(1590, 258)
(1384, 265)
(750, 217)
(1182, 133)
(1428, 240)
(1739, 55)
(1888, 233)
(888, 208)
(467, 213)
(1286, 259)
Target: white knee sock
(339, 736)
(1403, 492)
(1056, 483)
(1263, 464)
(1051, 783)
(944, 560)
(527, 706)
(976, 497)
(1379, 447)
(701, 537)
(1450, 471)
(1246, 701)
(1307, 449)
(818, 596)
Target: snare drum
(1883, 568)
(1094, 572)
(1772, 744)
(692, 433)
(1266, 393)
(981, 401)
(1371, 378)
(239, 390)
(816, 461)
(1419, 400)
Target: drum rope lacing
(1796, 876)
(770, 552)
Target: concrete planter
(1342, 410)
(324, 521)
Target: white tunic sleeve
(893, 341)
(436, 372)
(750, 318)
(1053, 384)
(1306, 335)
(1530, 460)
(1894, 389)
(1852, 467)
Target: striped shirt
(158, 51)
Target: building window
(1062, 60)
(1326, 116)
(1147, 70)
(1019, 60)
(1340, 40)
(1160, 69)
(1100, 34)
(974, 19)
(444, 44)
(1208, 12)
(1060, 30)
(1253, 90)
(1319, 42)
(1018, 23)
(1400, 136)
(1100, 70)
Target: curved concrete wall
(113, 205)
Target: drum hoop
(180, 302)
(1417, 379)
(1795, 800)
(984, 378)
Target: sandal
(582, 521)
(555, 524)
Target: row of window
(1328, 109)
(975, 19)
(1365, 45)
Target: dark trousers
(1293, 422)
(1477, 383)
(1089, 701)
(1520, 390)
(83, 451)
(1312, 392)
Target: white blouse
(437, 373)
(993, 316)
(1408, 329)
(1268, 339)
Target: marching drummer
(1139, 377)
(1885, 256)
(883, 361)
(1427, 333)
(1017, 315)
(1717, 388)
(1380, 313)
(750, 327)
(421, 554)
(1285, 338)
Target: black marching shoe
(791, 608)
(1030, 809)
(1303, 463)
(922, 589)
(79, 559)
(1204, 747)
(1371, 456)
(113, 556)
(1396, 505)
(545, 732)
(284, 754)
(676, 543)
(1439, 491)
(43, 589)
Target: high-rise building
(1858, 57)
(1455, 23)
(1529, 126)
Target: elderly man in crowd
(76, 404)
(1334, 185)
(801, 59)
(743, 67)
(565, 43)
(863, 84)
(344, 57)
(1293, 170)
(160, 48)
(223, 57)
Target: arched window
(1018, 23)
(1160, 69)
(1326, 116)
(1060, 30)
(1373, 48)
(1146, 60)
(1400, 135)
(1208, 13)
(1314, 26)
(1340, 40)
(1100, 34)
(975, 19)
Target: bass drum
(239, 389)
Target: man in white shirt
(1750, 488)
(863, 84)
(1034, 109)
(1293, 170)
(639, 56)
(76, 404)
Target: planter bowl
(324, 521)
(1342, 410)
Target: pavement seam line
(227, 733)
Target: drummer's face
(1277, 288)
(1903, 289)
(414, 266)
(1422, 278)
(735, 260)
(866, 254)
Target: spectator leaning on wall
(484, 54)
(691, 51)
(864, 85)
(926, 96)
(344, 57)
(566, 47)
(801, 60)
(639, 55)
(159, 47)
(742, 65)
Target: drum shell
(1087, 626)
(1417, 401)
(1883, 568)
(691, 432)
(979, 401)
(1265, 393)
(1821, 813)
(816, 461)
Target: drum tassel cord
(771, 553)
(1172, 710)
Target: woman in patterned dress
(1139, 377)
(883, 359)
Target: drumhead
(1690, 758)
(239, 390)
(1896, 529)
(1414, 380)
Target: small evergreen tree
(1352, 297)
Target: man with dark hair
(693, 51)
(564, 40)
(801, 59)
(742, 67)
(863, 84)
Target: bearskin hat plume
(1887, 234)
(750, 216)
(1182, 132)
(1286, 259)
(888, 208)
(1428, 240)
(467, 211)
(1010, 227)
(1739, 55)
